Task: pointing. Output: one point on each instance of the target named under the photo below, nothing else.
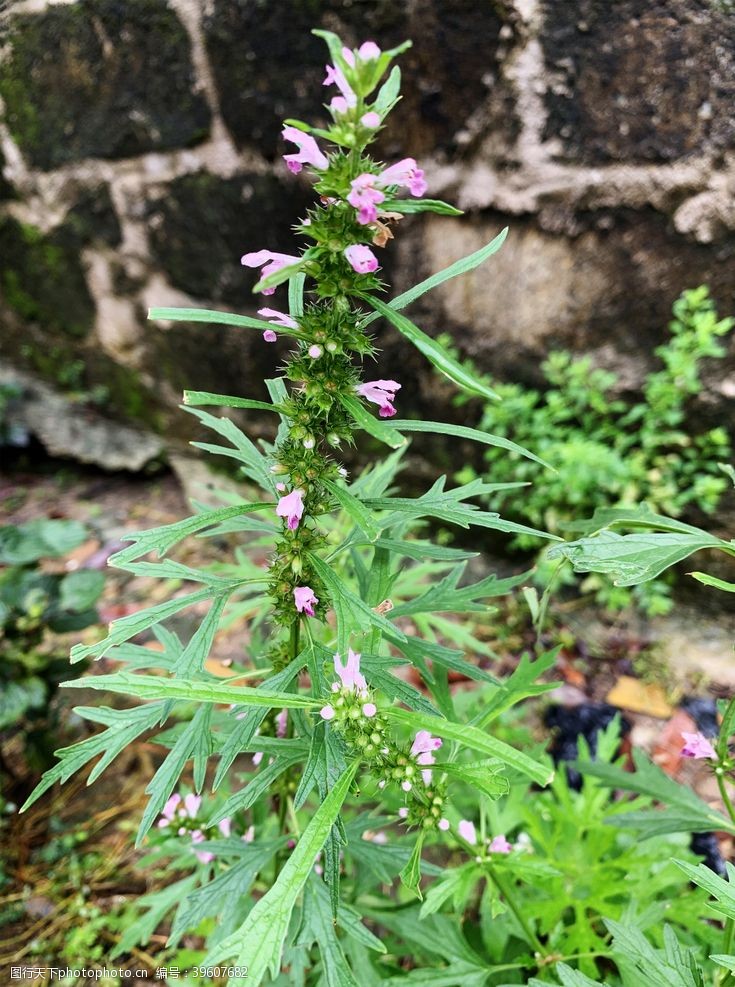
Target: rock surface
(140, 158)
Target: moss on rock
(100, 78)
(43, 279)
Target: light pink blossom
(305, 600)
(370, 119)
(361, 258)
(278, 318)
(443, 824)
(423, 746)
(225, 826)
(696, 745)
(369, 710)
(191, 804)
(257, 758)
(315, 351)
(169, 811)
(466, 830)
(269, 262)
(349, 673)
(382, 393)
(402, 812)
(335, 76)
(291, 506)
(365, 197)
(270, 336)
(338, 105)
(499, 844)
(327, 712)
(282, 723)
(406, 174)
(309, 152)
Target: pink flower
(292, 507)
(338, 105)
(370, 119)
(361, 258)
(402, 812)
(423, 745)
(225, 826)
(696, 745)
(368, 51)
(327, 712)
(257, 758)
(282, 723)
(466, 830)
(349, 673)
(364, 196)
(269, 262)
(382, 393)
(305, 600)
(191, 804)
(278, 318)
(406, 174)
(443, 824)
(309, 152)
(499, 844)
(315, 351)
(269, 336)
(369, 710)
(335, 76)
(169, 811)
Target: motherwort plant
(348, 594)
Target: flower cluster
(498, 844)
(180, 814)
(357, 204)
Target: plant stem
(512, 904)
(723, 794)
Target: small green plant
(32, 604)
(609, 451)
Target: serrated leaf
(318, 927)
(354, 508)
(685, 813)
(469, 736)
(722, 891)
(123, 727)
(522, 684)
(259, 941)
(411, 874)
(432, 350)
(258, 785)
(445, 596)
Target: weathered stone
(43, 279)
(251, 41)
(91, 219)
(203, 224)
(100, 78)
(76, 430)
(647, 80)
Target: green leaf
(376, 668)
(463, 432)
(463, 266)
(411, 874)
(485, 776)
(192, 658)
(79, 591)
(407, 206)
(161, 539)
(351, 611)
(259, 785)
(296, 296)
(520, 685)
(674, 966)
(469, 736)
(156, 905)
(318, 927)
(206, 315)
(422, 551)
(16, 698)
(686, 813)
(432, 350)
(713, 581)
(189, 690)
(722, 891)
(444, 596)
(278, 277)
(42, 538)
(635, 558)
(202, 398)
(259, 941)
(369, 423)
(568, 978)
(129, 626)
(354, 508)
(123, 727)
(388, 93)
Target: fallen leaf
(640, 697)
(667, 749)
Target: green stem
(719, 775)
(512, 904)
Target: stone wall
(140, 158)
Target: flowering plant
(355, 771)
